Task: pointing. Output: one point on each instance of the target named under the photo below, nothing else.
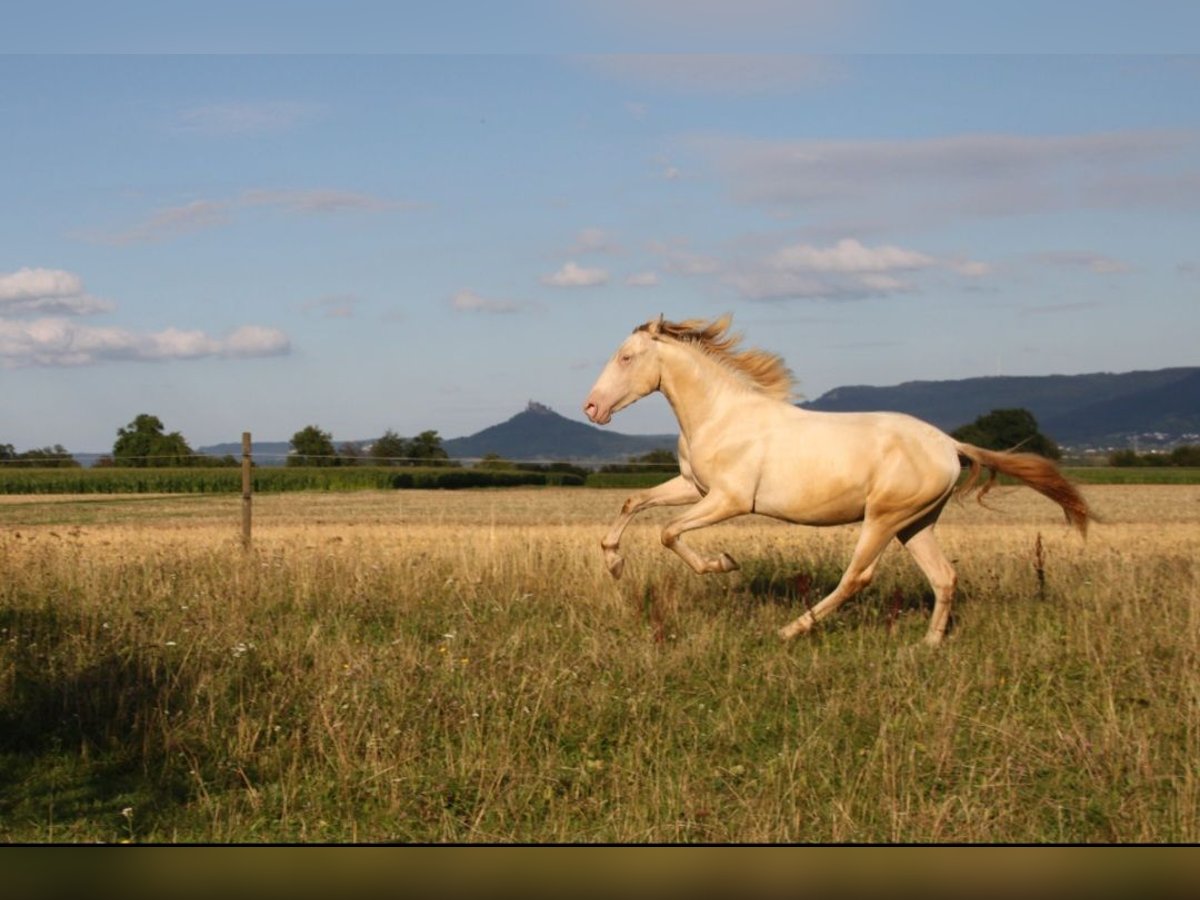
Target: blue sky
(382, 215)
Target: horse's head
(632, 373)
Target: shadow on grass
(82, 743)
(800, 587)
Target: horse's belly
(811, 505)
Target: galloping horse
(745, 448)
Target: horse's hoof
(616, 564)
(796, 628)
(728, 563)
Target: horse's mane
(765, 370)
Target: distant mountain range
(1099, 410)
(1096, 410)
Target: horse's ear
(656, 326)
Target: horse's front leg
(676, 492)
(715, 507)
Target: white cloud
(174, 221)
(572, 275)
(968, 174)
(255, 340)
(642, 279)
(27, 283)
(62, 342)
(47, 291)
(467, 301)
(56, 340)
(970, 268)
(167, 223)
(241, 119)
(849, 256)
(845, 270)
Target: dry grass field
(459, 667)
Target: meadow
(433, 666)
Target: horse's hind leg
(874, 537)
(921, 543)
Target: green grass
(201, 480)
(1133, 475)
(421, 666)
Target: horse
(745, 447)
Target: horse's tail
(1036, 471)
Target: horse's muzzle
(592, 410)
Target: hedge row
(450, 479)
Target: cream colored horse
(744, 447)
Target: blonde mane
(766, 371)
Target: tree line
(145, 443)
(56, 457)
(1185, 456)
(312, 446)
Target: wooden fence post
(246, 490)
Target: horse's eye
(626, 357)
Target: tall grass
(421, 666)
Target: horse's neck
(694, 384)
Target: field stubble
(430, 666)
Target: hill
(1094, 410)
(539, 433)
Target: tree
(654, 461)
(389, 450)
(1186, 455)
(56, 457)
(1008, 429)
(493, 461)
(658, 460)
(1124, 459)
(312, 447)
(427, 448)
(143, 443)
